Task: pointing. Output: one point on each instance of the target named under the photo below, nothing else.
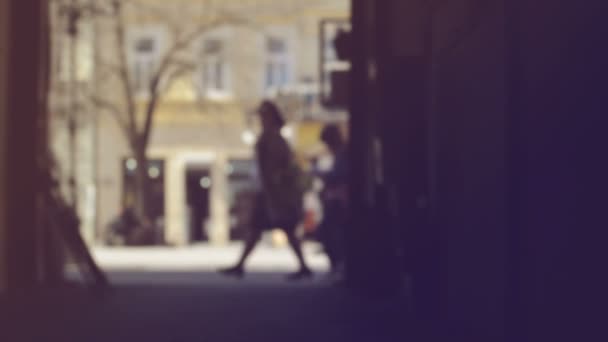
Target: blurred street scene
(152, 108)
(392, 168)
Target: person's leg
(259, 221)
(338, 236)
(296, 246)
(239, 269)
(338, 272)
(328, 236)
(250, 243)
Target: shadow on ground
(202, 306)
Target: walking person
(279, 204)
(335, 200)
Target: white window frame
(149, 60)
(209, 62)
(278, 66)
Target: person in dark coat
(335, 199)
(279, 204)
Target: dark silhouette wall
(3, 113)
(469, 172)
(25, 103)
(512, 125)
(559, 73)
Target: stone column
(218, 229)
(84, 177)
(176, 230)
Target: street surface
(174, 294)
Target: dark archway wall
(559, 75)
(429, 139)
(442, 108)
(4, 20)
(499, 122)
(518, 111)
(387, 80)
(469, 173)
(22, 109)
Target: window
(214, 70)
(144, 61)
(277, 66)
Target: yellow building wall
(308, 140)
(3, 61)
(308, 137)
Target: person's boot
(303, 273)
(234, 271)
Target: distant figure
(144, 234)
(279, 204)
(335, 200)
(122, 227)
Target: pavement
(173, 294)
(204, 257)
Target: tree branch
(124, 69)
(168, 60)
(116, 113)
(181, 68)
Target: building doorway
(241, 195)
(156, 191)
(198, 188)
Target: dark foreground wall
(511, 123)
(23, 101)
(519, 102)
(470, 172)
(559, 87)
(3, 112)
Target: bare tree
(176, 60)
(185, 22)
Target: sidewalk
(204, 257)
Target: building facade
(200, 148)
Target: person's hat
(271, 109)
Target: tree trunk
(141, 183)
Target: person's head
(270, 116)
(332, 137)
